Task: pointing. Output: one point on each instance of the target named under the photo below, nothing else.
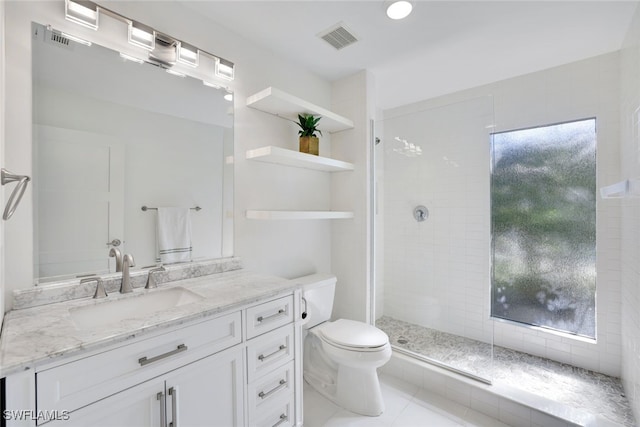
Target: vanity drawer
(279, 414)
(269, 351)
(78, 383)
(269, 316)
(271, 388)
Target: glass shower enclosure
(432, 233)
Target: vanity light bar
(175, 73)
(82, 12)
(142, 35)
(86, 13)
(213, 85)
(75, 39)
(224, 69)
(131, 58)
(188, 54)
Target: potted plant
(308, 127)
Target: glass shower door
(432, 234)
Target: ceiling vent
(56, 39)
(338, 36)
(59, 38)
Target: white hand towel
(174, 235)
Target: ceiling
(442, 47)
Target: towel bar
(145, 208)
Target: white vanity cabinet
(240, 368)
(203, 393)
(184, 377)
(271, 373)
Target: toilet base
(358, 390)
(360, 393)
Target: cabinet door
(139, 406)
(208, 392)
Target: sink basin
(132, 307)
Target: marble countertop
(35, 336)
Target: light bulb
(399, 9)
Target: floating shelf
(282, 104)
(282, 156)
(270, 215)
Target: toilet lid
(350, 333)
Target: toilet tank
(318, 291)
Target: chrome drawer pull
(283, 418)
(264, 395)
(262, 357)
(144, 361)
(262, 319)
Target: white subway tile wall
(437, 273)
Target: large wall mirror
(111, 135)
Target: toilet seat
(353, 335)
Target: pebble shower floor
(576, 387)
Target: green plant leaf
(308, 125)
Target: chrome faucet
(114, 252)
(100, 292)
(127, 261)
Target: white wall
(285, 248)
(350, 191)
(630, 235)
(583, 89)
(2, 133)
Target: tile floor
(406, 406)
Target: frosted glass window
(543, 209)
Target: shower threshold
(578, 388)
(439, 364)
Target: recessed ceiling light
(399, 9)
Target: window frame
(546, 328)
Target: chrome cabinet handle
(262, 319)
(144, 361)
(263, 395)
(262, 357)
(283, 418)
(173, 392)
(163, 419)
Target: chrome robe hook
(7, 177)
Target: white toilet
(341, 357)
